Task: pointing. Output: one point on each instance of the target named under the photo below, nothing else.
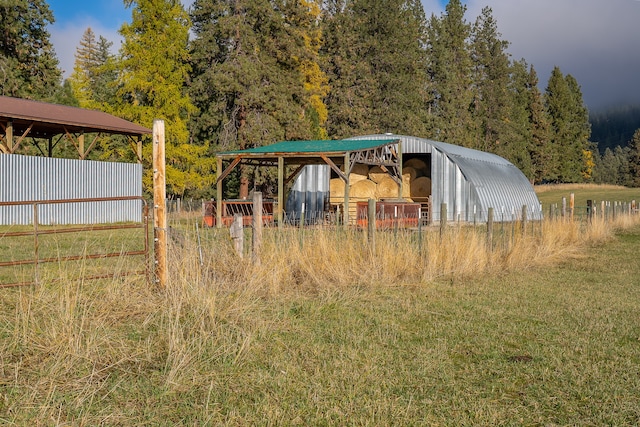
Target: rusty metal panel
(31, 178)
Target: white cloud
(66, 39)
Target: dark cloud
(596, 41)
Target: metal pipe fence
(31, 253)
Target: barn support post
(9, 136)
(347, 170)
(219, 194)
(159, 204)
(280, 213)
(256, 237)
(490, 230)
(401, 184)
(81, 145)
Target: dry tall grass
(76, 352)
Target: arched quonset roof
(471, 181)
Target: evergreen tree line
(260, 71)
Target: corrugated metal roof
(471, 181)
(52, 119)
(308, 147)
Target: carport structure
(339, 155)
(24, 120)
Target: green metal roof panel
(308, 147)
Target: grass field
(544, 332)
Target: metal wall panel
(29, 178)
(311, 188)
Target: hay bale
(376, 174)
(418, 164)
(387, 188)
(412, 172)
(421, 188)
(358, 173)
(363, 190)
(336, 191)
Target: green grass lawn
(549, 194)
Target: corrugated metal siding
(311, 187)
(26, 178)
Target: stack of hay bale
(374, 183)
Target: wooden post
(9, 136)
(280, 213)
(159, 204)
(237, 234)
(138, 150)
(490, 230)
(81, 145)
(589, 211)
(401, 185)
(371, 221)
(219, 195)
(256, 240)
(572, 205)
(443, 218)
(564, 208)
(524, 220)
(345, 212)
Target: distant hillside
(615, 126)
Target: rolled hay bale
(376, 174)
(336, 191)
(420, 188)
(387, 189)
(358, 173)
(363, 190)
(412, 172)
(418, 164)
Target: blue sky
(597, 41)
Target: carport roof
(47, 120)
(302, 148)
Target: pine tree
(94, 76)
(316, 83)
(155, 68)
(634, 159)
(375, 63)
(451, 93)
(247, 79)
(28, 65)
(493, 104)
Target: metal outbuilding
(468, 181)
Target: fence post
(443, 218)
(564, 208)
(524, 220)
(589, 211)
(237, 234)
(572, 205)
(159, 203)
(256, 239)
(371, 222)
(490, 230)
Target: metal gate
(13, 244)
